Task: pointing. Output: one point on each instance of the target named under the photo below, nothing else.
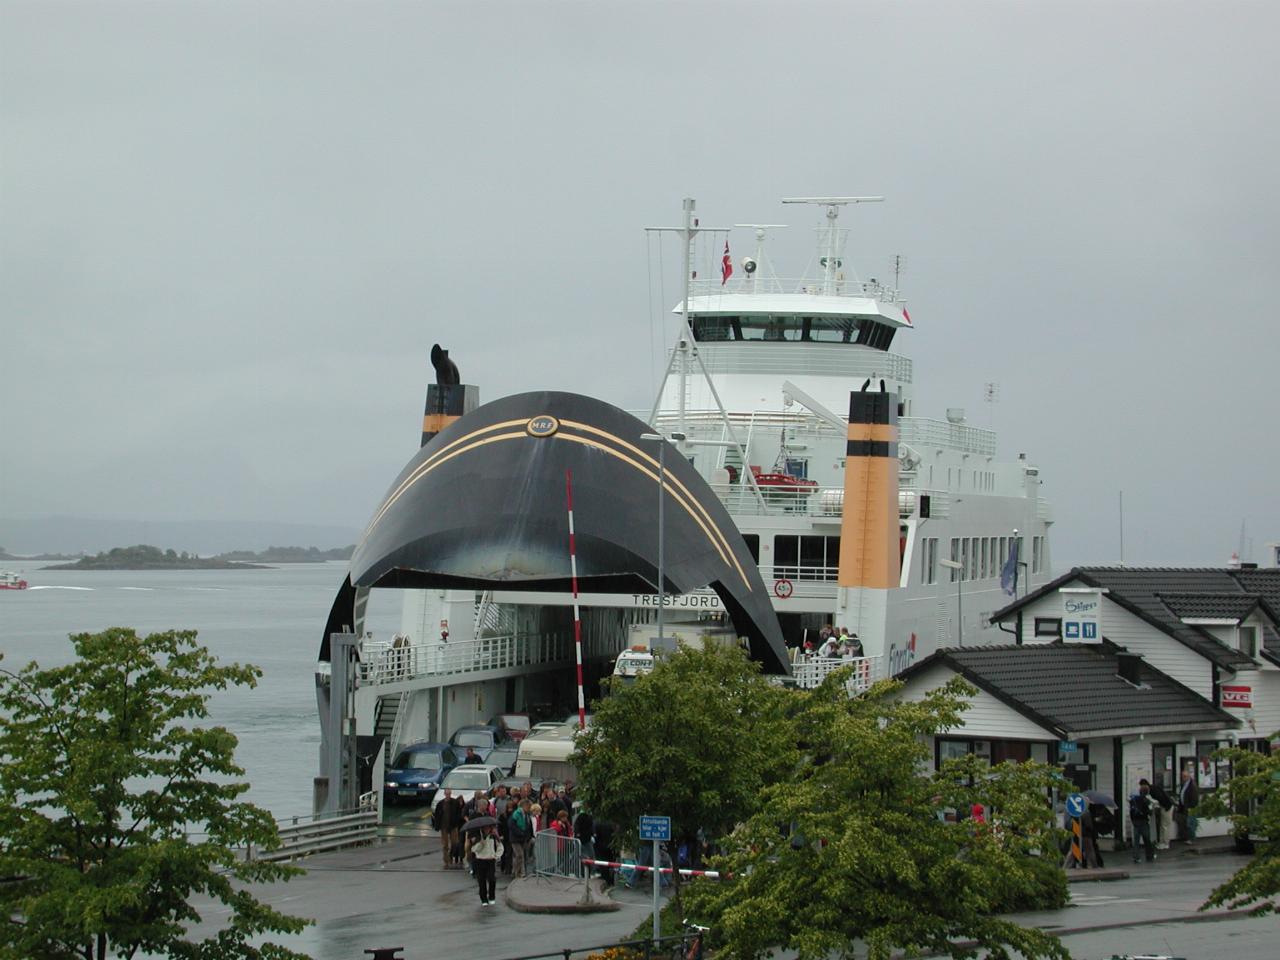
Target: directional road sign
(655, 828)
(1075, 804)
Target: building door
(1164, 765)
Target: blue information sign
(1075, 804)
(1068, 746)
(655, 828)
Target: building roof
(1074, 690)
(1210, 606)
(1155, 594)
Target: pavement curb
(558, 895)
(1206, 917)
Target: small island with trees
(146, 557)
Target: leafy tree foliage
(113, 811)
(851, 854)
(696, 740)
(1251, 798)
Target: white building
(1124, 673)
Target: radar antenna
(831, 261)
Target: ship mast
(687, 233)
(831, 262)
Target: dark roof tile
(1072, 689)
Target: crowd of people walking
(493, 833)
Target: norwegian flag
(726, 265)
(906, 316)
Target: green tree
(1251, 798)
(851, 856)
(114, 812)
(696, 740)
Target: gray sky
(230, 233)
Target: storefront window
(1211, 773)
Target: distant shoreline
(93, 563)
(146, 557)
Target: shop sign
(1080, 614)
(1237, 696)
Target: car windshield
(473, 738)
(467, 780)
(419, 760)
(516, 722)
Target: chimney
(869, 547)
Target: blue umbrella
(1098, 797)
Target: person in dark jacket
(447, 819)
(605, 832)
(584, 828)
(1188, 797)
(1141, 809)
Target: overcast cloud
(230, 233)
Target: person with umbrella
(486, 851)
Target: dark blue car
(417, 771)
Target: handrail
(809, 672)
(382, 662)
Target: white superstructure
(759, 384)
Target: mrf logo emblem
(899, 660)
(543, 425)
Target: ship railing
(385, 662)
(810, 671)
(805, 286)
(943, 434)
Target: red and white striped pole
(616, 865)
(577, 618)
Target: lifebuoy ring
(782, 588)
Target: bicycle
(690, 946)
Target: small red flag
(726, 265)
(906, 316)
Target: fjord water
(272, 618)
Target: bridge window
(806, 558)
(792, 328)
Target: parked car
(465, 780)
(417, 771)
(516, 725)
(482, 737)
(504, 756)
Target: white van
(545, 754)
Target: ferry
(790, 398)
(11, 581)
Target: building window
(806, 558)
(1211, 773)
(1048, 626)
(929, 560)
(955, 558)
(1249, 641)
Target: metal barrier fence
(306, 835)
(556, 856)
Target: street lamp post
(662, 485)
(959, 568)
